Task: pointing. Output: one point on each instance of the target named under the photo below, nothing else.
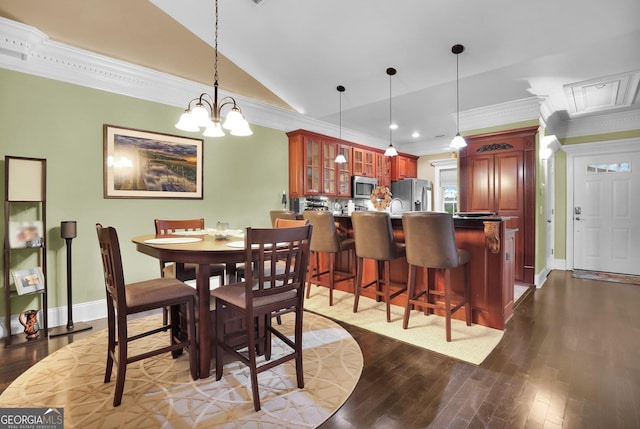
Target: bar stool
(374, 240)
(431, 243)
(281, 214)
(325, 239)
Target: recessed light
(415, 135)
(393, 126)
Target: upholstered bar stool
(325, 239)
(281, 214)
(431, 243)
(374, 240)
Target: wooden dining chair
(178, 270)
(126, 299)
(265, 292)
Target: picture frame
(28, 281)
(146, 164)
(23, 234)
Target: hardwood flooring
(570, 358)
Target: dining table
(201, 249)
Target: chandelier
(206, 111)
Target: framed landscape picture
(144, 164)
(28, 281)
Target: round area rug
(159, 392)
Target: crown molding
(598, 124)
(27, 50)
(499, 114)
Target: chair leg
(174, 331)
(332, 265)
(111, 340)
(122, 364)
(387, 288)
(191, 332)
(411, 286)
(312, 264)
(219, 339)
(251, 341)
(467, 294)
(298, 348)
(358, 286)
(447, 302)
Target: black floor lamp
(68, 232)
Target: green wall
(243, 176)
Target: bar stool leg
(411, 287)
(387, 288)
(358, 286)
(332, 263)
(467, 293)
(447, 302)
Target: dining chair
(327, 240)
(431, 243)
(265, 292)
(281, 214)
(125, 299)
(178, 270)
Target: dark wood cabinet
(404, 167)
(364, 162)
(497, 174)
(312, 166)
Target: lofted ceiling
(579, 57)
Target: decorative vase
(29, 319)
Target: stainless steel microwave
(362, 186)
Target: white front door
(606, 212)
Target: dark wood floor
(570, 358)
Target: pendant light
(207, 111)
(458, 141)
(340, 159)
(391, 151)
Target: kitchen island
(492, 247)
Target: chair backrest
(281, 214)
(112, 265)
(289, 223)
(325, 238)
(164, 226)
(267, 247)
(373, 234)
(430, 239)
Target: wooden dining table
(206, 250)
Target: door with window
(606, 213)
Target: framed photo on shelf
(25, 234)
(28, 281)
(145, 164)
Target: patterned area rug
(606, 277)
(160, 393)
(468, 343)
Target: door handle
(577, 217)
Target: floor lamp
(68, 232)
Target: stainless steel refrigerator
(415, 194)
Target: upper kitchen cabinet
(404, 167)
(312, 166)
(497, 174)
(383, 169)
(364, 162)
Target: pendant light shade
(340, 159)
(391, 151)
(207, 110)
(458, 141)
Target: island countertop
(491, 244)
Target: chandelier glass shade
(458, 141)
(206, 111)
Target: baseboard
(58, 316)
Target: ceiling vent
(605, 93)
